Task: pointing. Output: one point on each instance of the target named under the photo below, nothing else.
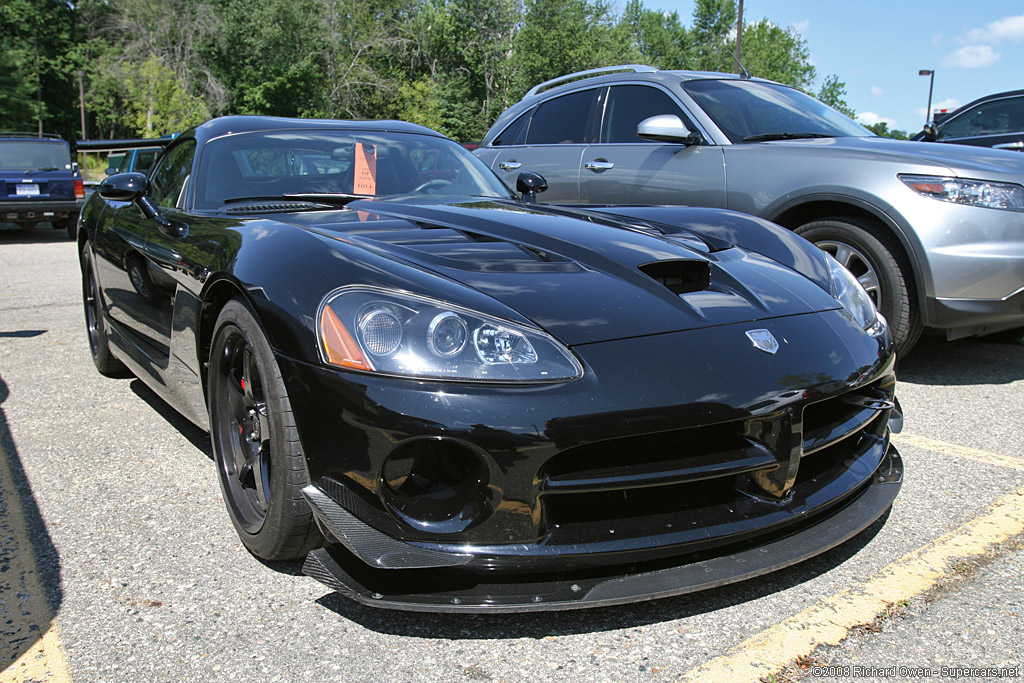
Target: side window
(170, 175)
(563, 121)
(628, 105)
(144, 159)
(990, 118)
(515, 133)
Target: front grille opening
(670, 447)
(680, 277)
(828, 462)
(613, 508)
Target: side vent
(680, 277)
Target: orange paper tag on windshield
(365, 181)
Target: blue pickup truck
(39, 182)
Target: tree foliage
(151, 67)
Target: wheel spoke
(869, 281)
(845, 255)
(261, 475)
(249, 375)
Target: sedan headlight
(969, 192)
(851, 294)
(394, 333)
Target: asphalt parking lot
(118, 561)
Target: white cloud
(972, 57)
(876, 91)
(937, 39)
(802, 27)
(1005, 30)
(870, 118)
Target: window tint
(628, 105)
(144, 159)
(169, 177)
(990, 118)
(562, 121)
(515, 133)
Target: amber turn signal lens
(339, 346)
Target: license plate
(27, 190)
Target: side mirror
(667, 128)
(124, 187)
(134, 187)
(931, 132)
(529, 184)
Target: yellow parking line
(959, 451)
(830, 620)
(30, 647)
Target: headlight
(969, 192)
(393, 333)
(851, 295)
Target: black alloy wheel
(95, 323)
(255, 444)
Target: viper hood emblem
(763, 340)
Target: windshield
(752, 111)
(367, 164)
(33, 155)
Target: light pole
(931, 82)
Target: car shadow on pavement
(11, 234)
(590, 620)
(30, 574)
(196, 436)
(995, 359)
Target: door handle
(1017, 146)
(509, 165)
(598, 165)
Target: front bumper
(707, 449)
(454, 590)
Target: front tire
(95, 323)
(875, 258)
(255, 443)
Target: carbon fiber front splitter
(457, 590)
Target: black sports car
(448, 398)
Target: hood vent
(680, 277)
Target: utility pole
(81, 103)
(739, 38)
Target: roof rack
(635, 68)
(19, 134)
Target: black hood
(583, 277)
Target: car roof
(613, 74)
(229, 125)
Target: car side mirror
(931, 133)
(134, 187)
(529, 184)
(667, 128)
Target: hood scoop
(468, 251)
(680, 277)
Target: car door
(549, 139)
(139, 263)
(999, 124)
(623, 168)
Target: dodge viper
(448, 397)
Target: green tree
(833, 93)
(659, 38)
(776, 54)
(159, 102)
(882, 129)
(559, 37)
(713, 23)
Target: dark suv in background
(934, 233)
(992, 121)
(39, 181)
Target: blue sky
(877, 48)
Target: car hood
(959, 160)
(583, 281)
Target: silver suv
(935, 233)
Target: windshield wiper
(767, 137)
(337, 199)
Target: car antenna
(744, 74)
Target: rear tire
(95, 323)
(256, 446)
(875, 258)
